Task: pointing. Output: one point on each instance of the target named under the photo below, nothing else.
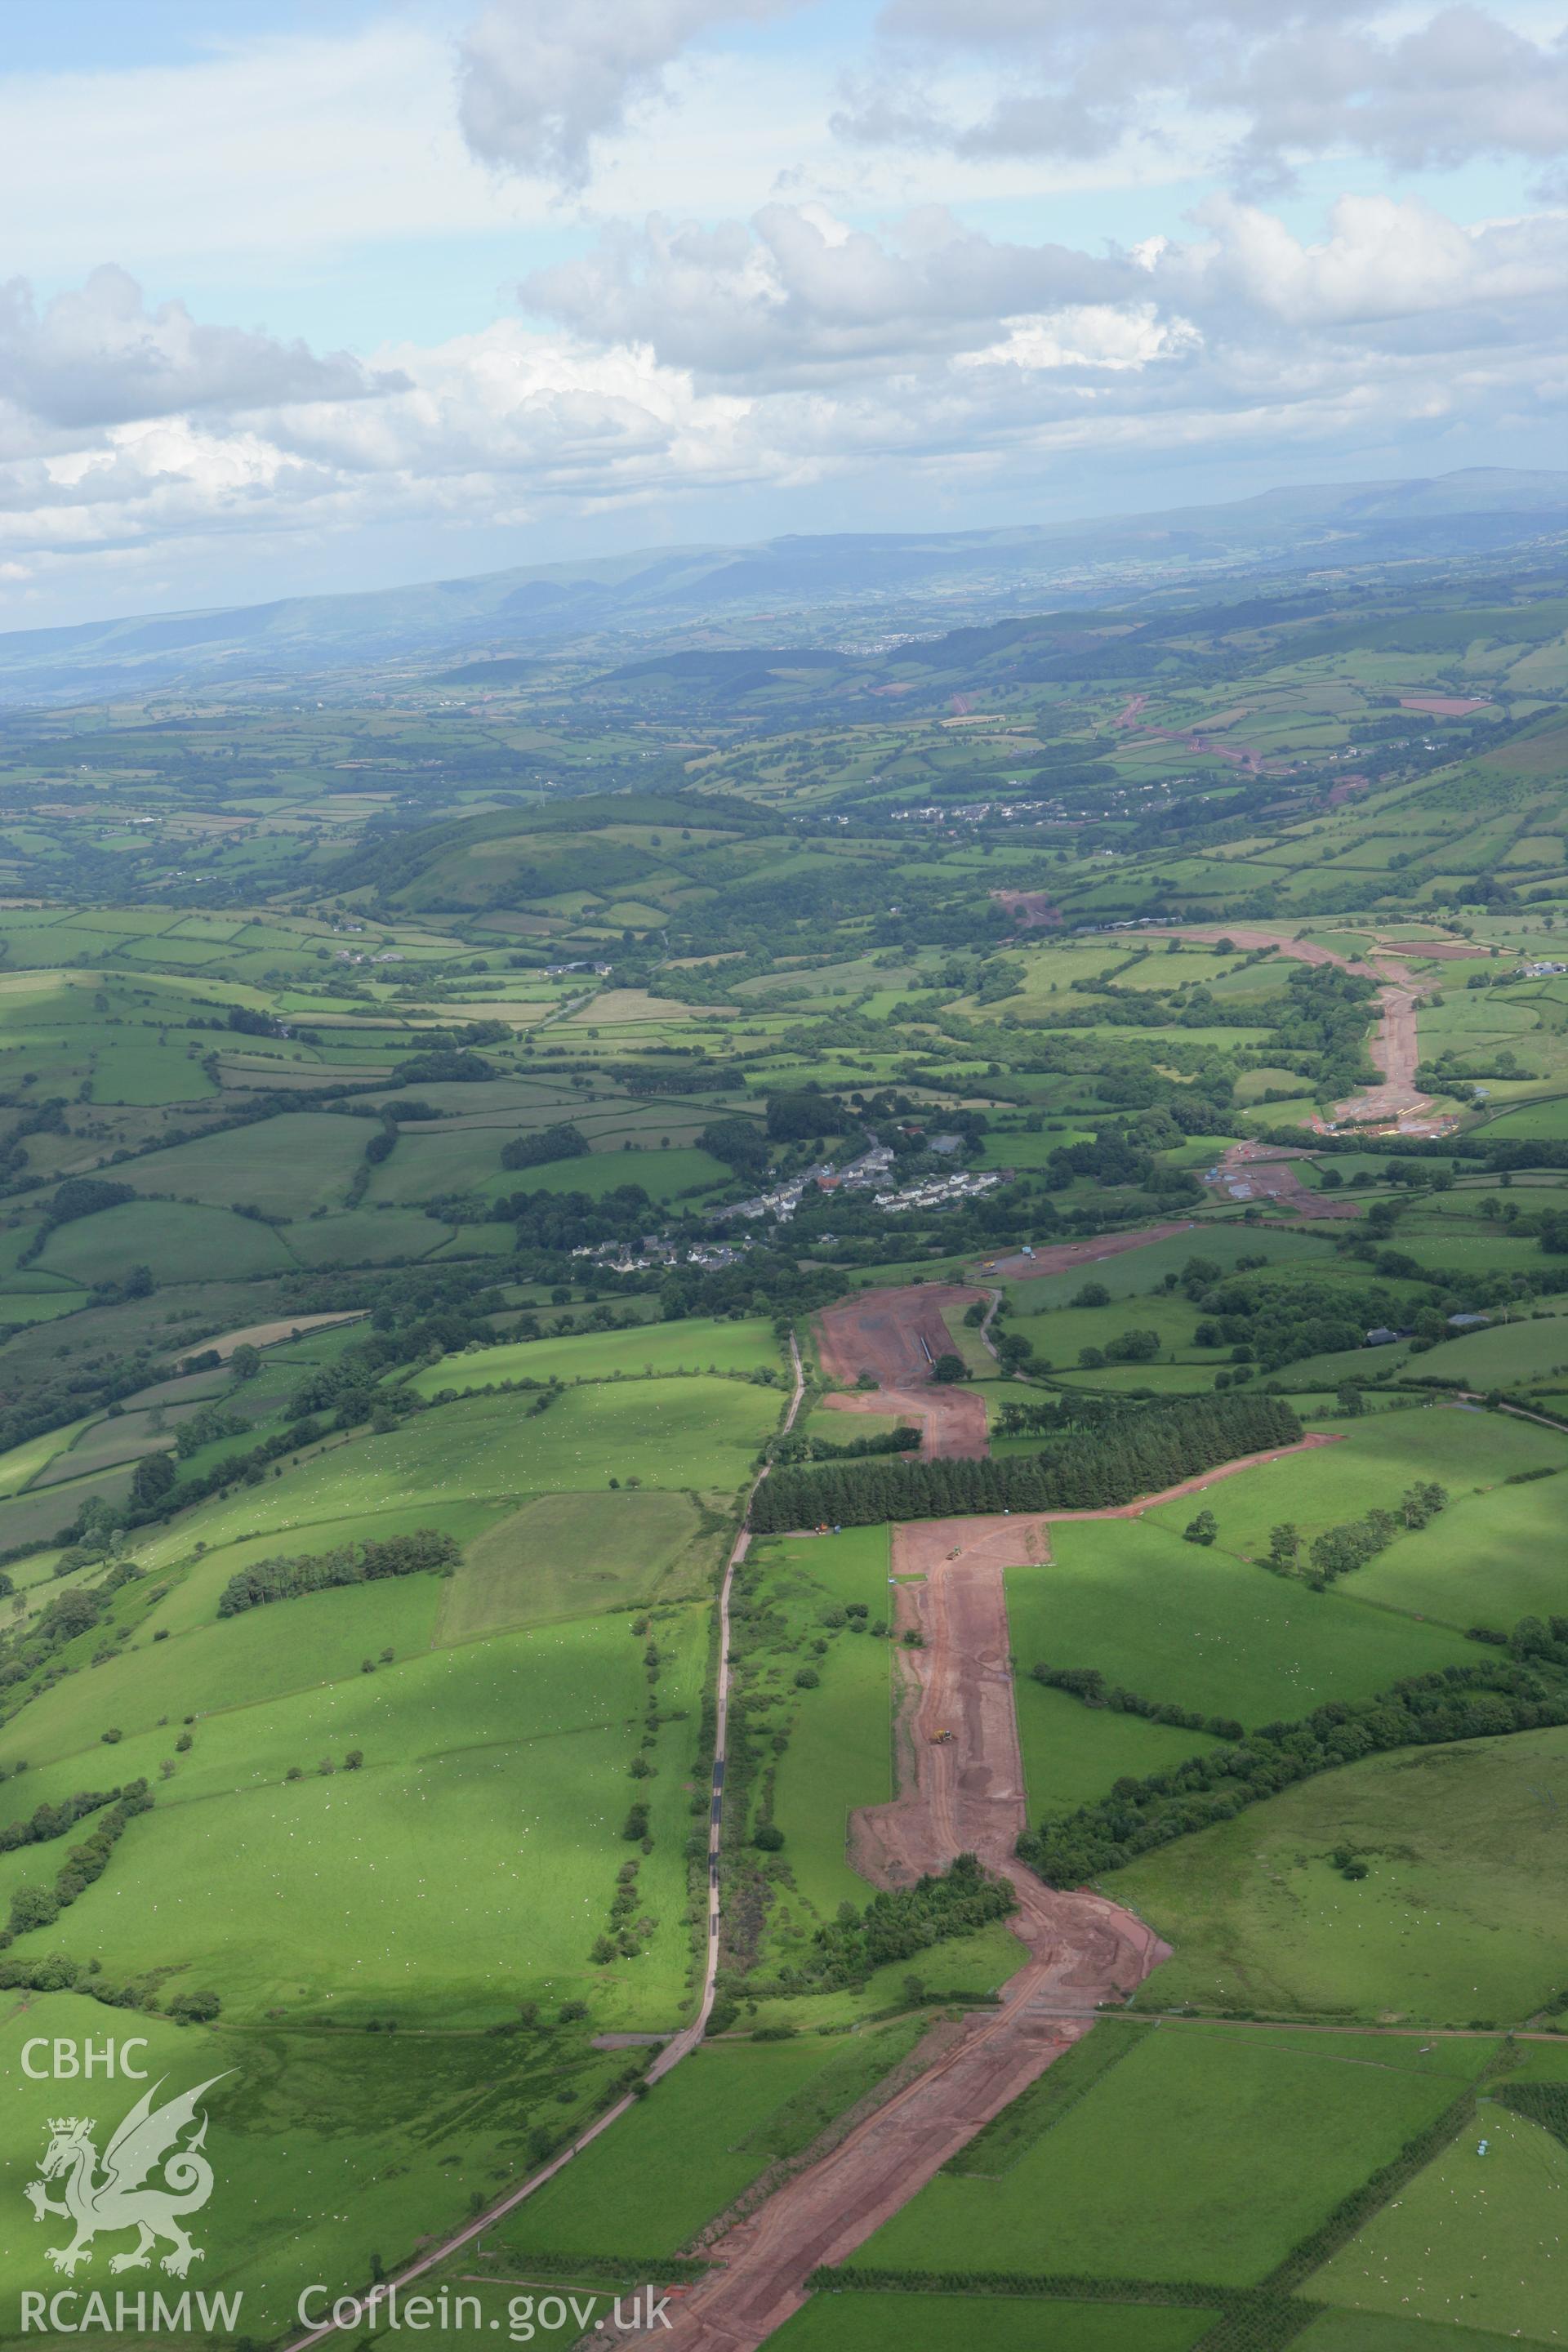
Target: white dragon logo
(119, 2201)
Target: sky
(319, 295)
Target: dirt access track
(1395, 1101)
(1066, 1257)
(896, 1336)
(1081, 1950)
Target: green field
(1173, 1620)
(570, 1555)
(387, 2136)
(1129, 1272)
(1368, 1465)
(699, 1346)
(1455, 1919)
(178, 1242)
(1365, 2331)
(702, 1433)
(1475, 2238)
(491, 1799)
(947, 2323)
(1204, 2155)
(289, 1166)
(701, 2139)
(839, 1754)
(1489, 1559)
(1073, 1754)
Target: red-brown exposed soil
(951, 1421)
(1030, 909)
(1201, 739)
(1259, 1171)
(1082, 1951)
(1444, 706)
(1438, 948)
(896, 1336)
(1063, 1257)
(1395, 1101)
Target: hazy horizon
(335, 294)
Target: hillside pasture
(1510, 1355)
(316, 1639)
(388, 2135)
(175, 1241)
(1456, 1919)
(118, 1437)
(572, 1555)
(1368, 1467)
(703, 1431)
(468, 1864)
(679, 2159)
(366, 1237)
(1474, 2237)
(1177, 1621)
(698, 1345)
(288, 1165)
(1127, 1273)
(1489, 1559)
(662, 1175)
(37, 1515)
(23, 1464)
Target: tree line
(1339, 1549)
(1087, 1684)
(285, 1576)
(904, 1920)
(1137, 1455)
(1529, 1693)
(52, 1820)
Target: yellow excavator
(942, 1738)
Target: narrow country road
(680, 2044)
(683, 2042)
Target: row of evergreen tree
(1427, 1710)
(1141, 1453)
(283, 1577)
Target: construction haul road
(1396, 1100)
(964, 1795)
(1079, 1950)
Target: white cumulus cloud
(543, 85)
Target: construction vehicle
(942, 1738)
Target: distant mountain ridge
(632, 597)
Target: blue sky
(324, 295)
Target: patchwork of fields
(399, 1271)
